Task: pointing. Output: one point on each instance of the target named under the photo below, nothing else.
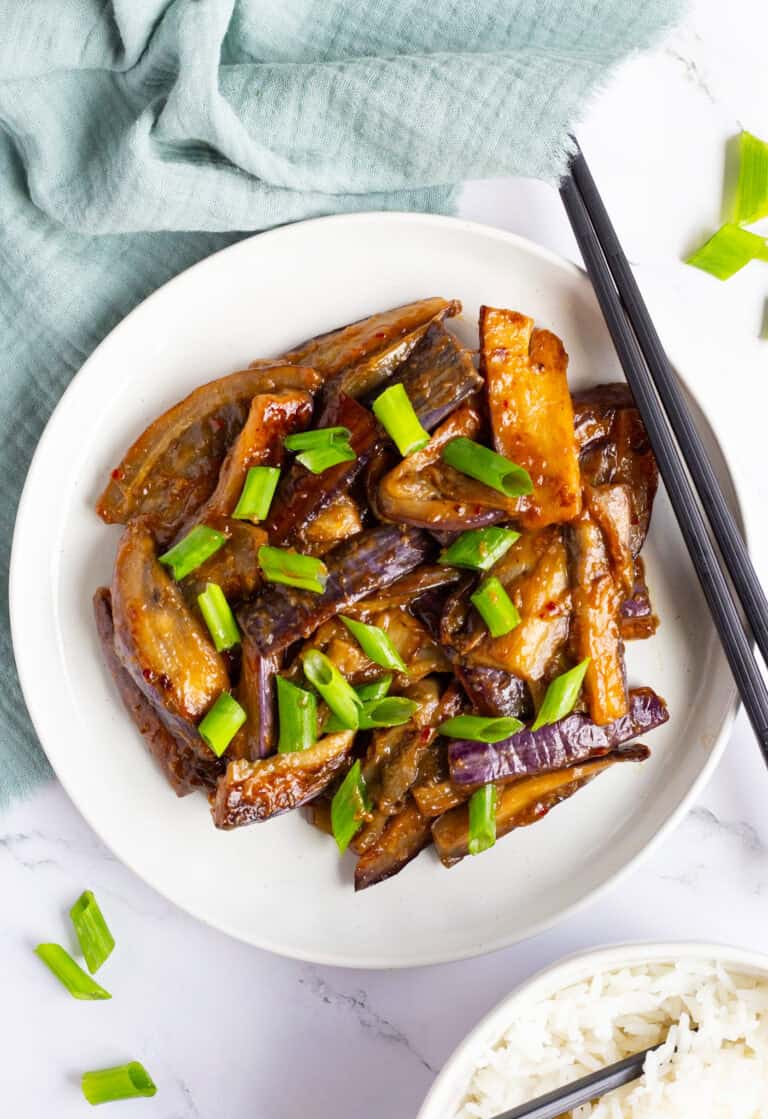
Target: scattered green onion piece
(319, 437)
(349, 807)
(95, 939)
(495, 607)
(392, 711)
(196, 547)
(218, 617)
(751, 201)
(323, 458)
(395, 413)
(78, 982)
(728, 251)
(124, 1082)
(281, 566)
(486, 466)
(375, 643)
(340, 696)
(482, 819)
(376, 689)
(480, 548)
(297, 714)
(478, 728)
(258, 491)
(561, 695)
(221, 723)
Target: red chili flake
(118, 474)
(425, 734)
(505, 404)
(380, 334)
(550, 607)
(216, 423)
(148, 675)
(164, 681)
(478, 511)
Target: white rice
(719, 1070)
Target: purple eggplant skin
(573, 739)
(494, 692)
(279, 615)
(256, 694)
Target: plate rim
(25, 668)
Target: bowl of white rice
(708, 1004)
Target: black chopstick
(682, 496)
(590, 1087)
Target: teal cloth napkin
(138, 136)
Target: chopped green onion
(221, 723)
(297, 713)
(478, 728)
(480, 548)
(196, 547)
(728, 251)
(218, 617)
(340, 696)
(486, 466)
(95, 939)
(375, 643)
(376, 689)
(482, 819)
(319, 437)
(258, 491)
(495, 607)
(323, 458)
(561, 695)
(751, 202)
(392, 711)
(395, 413)
(349, 807)
(78, 982)
(281, 566)
(124, 1082)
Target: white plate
(282, 886)
(449, 1088)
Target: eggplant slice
(405, 835)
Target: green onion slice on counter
(79, 984)
(297, 715)
(218, 617)
(258, 491)
(124, 1082)
(561, 695)
(479, 548)
(196, 547)
(366, 693)
(375, 644)
(221, 723)
(728, 251)
(294, 570)
(751, 201)
(340, 696)
(95, 939)
(392, 711)
(482, 819)
(483, 464)
(394, 411)
(495, 607)
(349, 807)
(478, 728)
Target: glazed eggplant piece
(251, 792)
(637, 620)
(336, 522)
(610, 507)
(594, 410)
(173, 467)
(279, 615)
(235, 567)
(411, 590)
(571, 740)
(184, 768)
(255, 694)
(494, 692)
(405, 835)
(531, 412)
(525, 802)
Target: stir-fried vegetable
(258, 491)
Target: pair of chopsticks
(725, 571)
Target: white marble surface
(229, 1031)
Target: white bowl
(448, 1089)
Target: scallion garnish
(392, 711)
(322, 448)
(728, 251)
(751, 201)
(124, 1082)
(196, 547)
(218, 617)
(366, 693)
(221, 723)
(318, 437)
(281, 566)
(258, 491)
(297, 715)
(349, 807)
(482, 819)
(479, 728)
(79, 984)
(485, 465)
(375, 643)
(495, 607)
(95, 939)
(395, 413)
(480, 548)
(340, 696)
(561, 695)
